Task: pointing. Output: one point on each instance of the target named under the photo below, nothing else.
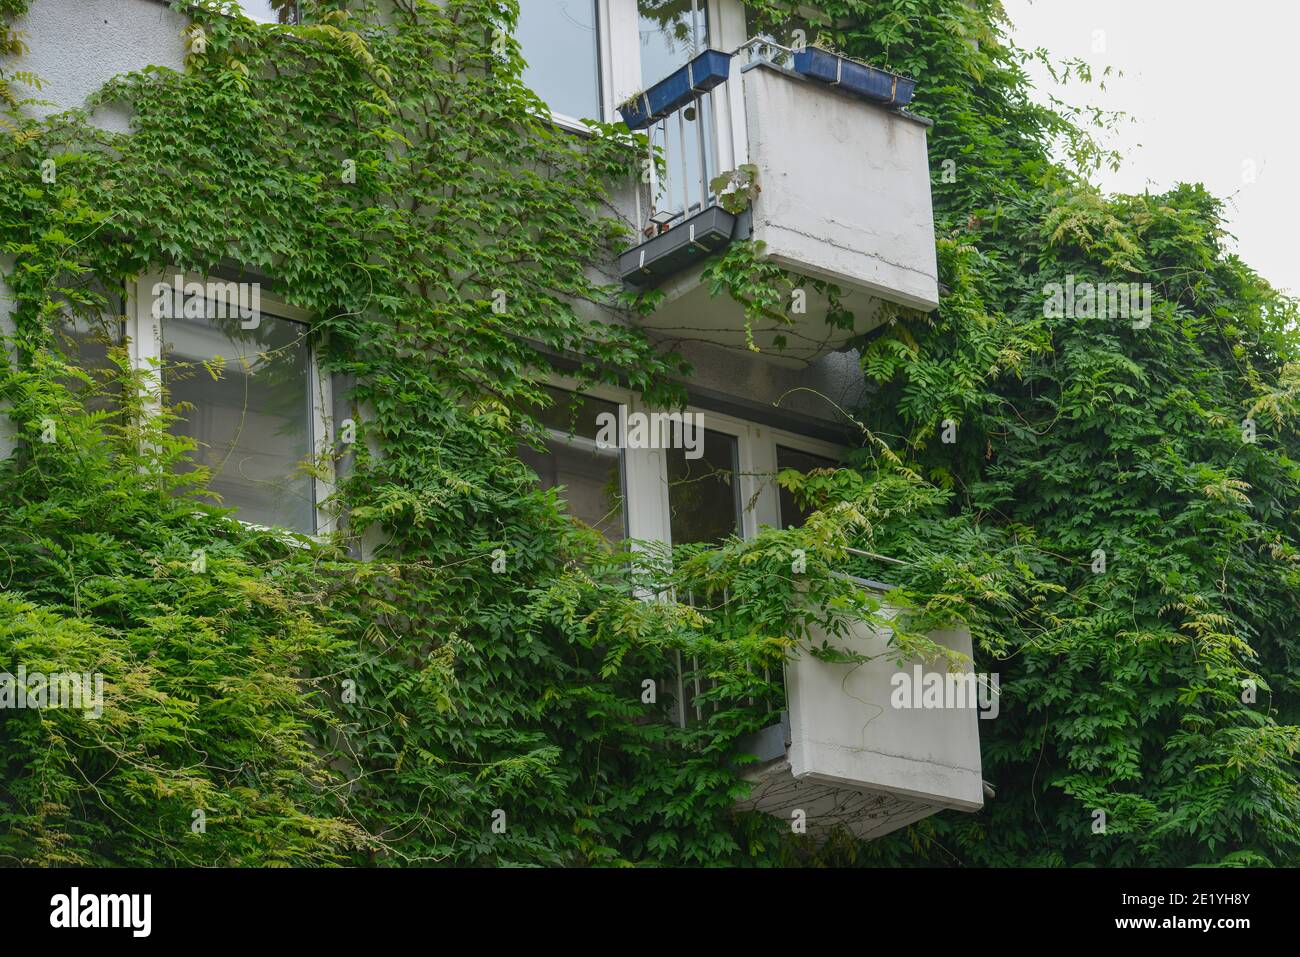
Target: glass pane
(591, 478)
(672, 34)
(792, 516)
(559, 40)
(703, 494)
(573, 413)
(85, 344)
(253, 420)
(270, 11)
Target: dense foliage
(401, 702)
(472, 691)
(1168, 445)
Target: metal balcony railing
(686, 151)
(682, 160)
(690, 684)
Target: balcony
(844, 196)
(847, 757)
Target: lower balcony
(848, 756)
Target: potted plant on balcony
(670, 94)
(737, 188)
(855, 76)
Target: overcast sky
(1213, 88)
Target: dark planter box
(702, 74)
(682, 246)
(867, 81)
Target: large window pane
(561, 44)
(85, 343)
(251, 415)
(270, 11)
(703, 494)
(792, 516)
(590, 478)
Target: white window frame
(611, 48)
(645, 471)
(731, 136)
(297, 13)
(756, 444)
(145, 337)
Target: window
(703, 493)
(652, 491)
(560, 42)
(672, 33)
(248, 406)
(244, 372)
(590, 477)
(664, 486)
(792, 515)
(271, 11)
(86, 344)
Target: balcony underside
(690, 313)
(829, 805)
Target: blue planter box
(867, 81)
(666, 97)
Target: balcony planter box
(702, 74)
(860, 78)
(680, 247)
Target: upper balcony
(843, 194)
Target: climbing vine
(487, 661)
(1116, 520)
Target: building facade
(838, 191)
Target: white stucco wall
(845, 187)
(75, 46)
(845, 730)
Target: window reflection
(703, 493)
(560, 41)
(792, 515)
(590, 478)
(85, 343)
(251, 412)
